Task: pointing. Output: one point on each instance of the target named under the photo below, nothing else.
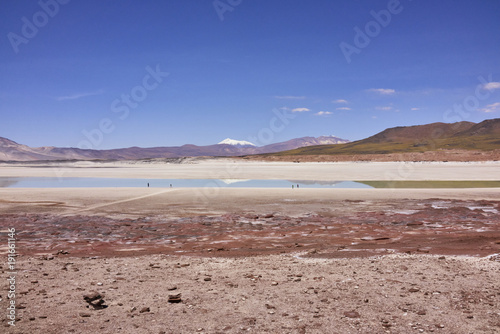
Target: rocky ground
(348, 228)
(404, 266)
(264, 294)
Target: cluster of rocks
(95, 300)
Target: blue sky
(109, 74)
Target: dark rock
(95, 300)
(144, 310)
(89, 298)
(351, 314)
(175, 298)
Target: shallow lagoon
(84, 182)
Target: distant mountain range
(12, 151)
(483, 136)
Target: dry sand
(260, 260)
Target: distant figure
(292, 186)
(148, 184)
(170, 185)
(297, 186)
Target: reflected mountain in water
(6, 182)
(319, 182)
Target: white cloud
(78, 96)
(382, 91)
(323, 113)
(343, 108)
(492, 85)
(300, 109)
(340, 101)
(290, 97)
(384, 108)
(415, 109)
(492, 107)
(374, 117)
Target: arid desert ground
(253, 260)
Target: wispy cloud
(78, 95)
(343, 108)
(300, 109)
(491, 107)
(386, 108)
(290, 97)
(323, 113)
(340, 101)
(415, 109)
(492, 85)
(382, 91)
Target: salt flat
(241, 169)
(256, 259)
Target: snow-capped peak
(230, 141)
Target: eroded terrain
(432, 226)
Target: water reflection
(74, 182)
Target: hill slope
(12, 151)
(482, 136)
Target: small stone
(414, 290)
(421, 312)
(172, 288)
(351, 314)
(274, 283)
(144, 310)
(207, 279)
(174, 298)
(92, 297)
(84, 315)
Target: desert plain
(253, 260)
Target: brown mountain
(12, 151)
(484, 136)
